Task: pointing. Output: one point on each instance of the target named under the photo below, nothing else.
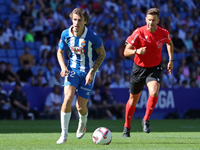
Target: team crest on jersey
(159, 45)
(77, 50)
(83, 44)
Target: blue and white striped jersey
(82, 49)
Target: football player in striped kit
(86, 55)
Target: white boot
(65, 117)
(81, 126)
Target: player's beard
(150, 28)
(76, 29)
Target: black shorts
(141, 76)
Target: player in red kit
(146, 44)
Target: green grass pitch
(42, 135)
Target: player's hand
(64, 72)
(89, 78)
(141, 51)
(170, 67)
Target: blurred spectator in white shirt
(188, 42)
(138, 3)
(19, 33)
(56, 80)
(7, 29)
(44, 45)
(16, 7)
(113, 4)
(53, 103)
(126, 25)
(126, 81)
(109, 67)
(117, 82)
(4, 39)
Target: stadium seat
(164, 54)
(35, 69)
(13, 26)
(175, 65)
(3, 9)
(19, 44)
(19, 52)
(15, 68)
(183, 15)
(5, 59)
(14, 19)
(31, 45)
(4, 16)
(11, 53)
(178, 56)
(33, 52)
(12, 44)
(2, 2)
(14, 62)
(37, 45)
(6, 1)
(110, 54)
(3, 53)
(127, 64)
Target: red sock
(151, 103)
(129, 114)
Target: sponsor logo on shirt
(77, 50)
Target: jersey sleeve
(96, 40)
(133, 38)
(168, 37)
(62, 44)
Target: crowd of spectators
(42, 21)
(32, 29)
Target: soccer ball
(102, 136)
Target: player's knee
(79, 108)
(153, 93)
(68, 100)
(132, 101)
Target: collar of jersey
(83, 35)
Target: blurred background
(29, 71)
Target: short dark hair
(80, 12)
(153, 11)
(25, 62)
(107, 84)
(17, 83)
(2, 62)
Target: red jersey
(153, 42)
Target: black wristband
(135, 51)
(171, 60)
